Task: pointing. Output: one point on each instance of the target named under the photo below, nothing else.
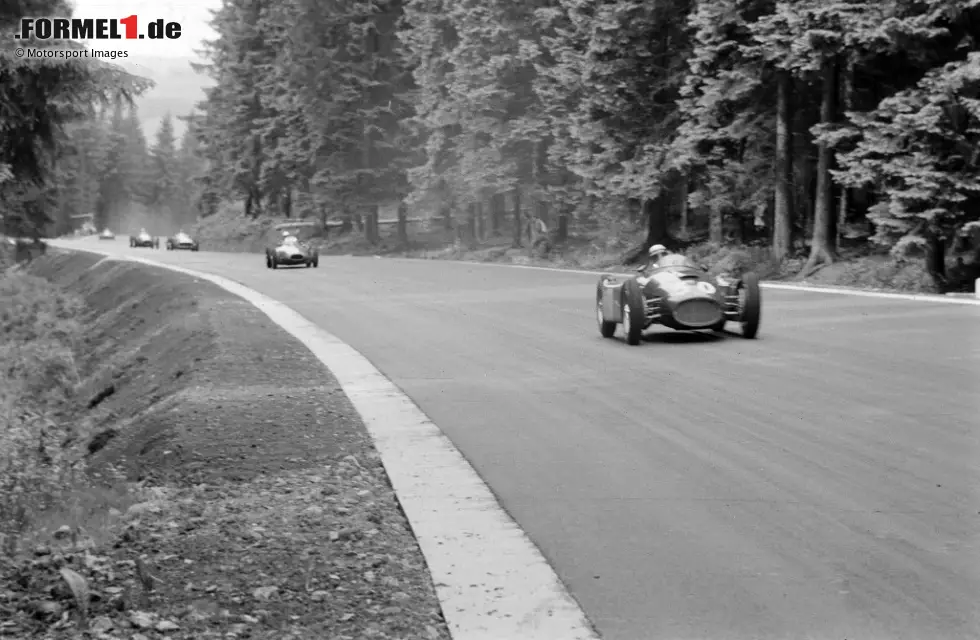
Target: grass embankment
(173, 464)
(856, 267)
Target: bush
(230, 230)
(901, 275)
(39, 330)
(739, 259)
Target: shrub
(739, 259)
(874, 273)
(39, 328)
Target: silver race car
(181, 241)
(144, 239)
(107, 234)
(291, 251)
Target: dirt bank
(262, 509)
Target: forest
(811, 131)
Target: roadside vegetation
(148, 485)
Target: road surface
(819, 482)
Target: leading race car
(107, 234)
(291, 251)
(674, 292)
(144, 239)
(181, 241)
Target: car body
(107, 235)
(678, 294)
(291, 253)
(181, 241)
(144, 239)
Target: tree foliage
(39, 98)
(755, 120)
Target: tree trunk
(471, 226)
(844, 200)
(782, 227)
(936, 261)
(347, 224)
(324, 228)
(359, 222)
(402, 225)
(635, 208)
(685, 190)
(447, 217)
(480, 223)
(371, 225)
(821, 249)
(518, 222)
(497, 206)
(561, 234)
(716, 224)
(656, 216)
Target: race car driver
(654, 254)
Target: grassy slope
(236, 491)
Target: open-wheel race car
(144, 239)
(291, 251)
(181, 241)
(674, 292)
(107, 234)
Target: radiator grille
(698, 313)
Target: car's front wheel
(606, 329)
(634, 312)
(750, 305)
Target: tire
(720, 326)
(273, 263)
(750, 312)
(309, 263)
(634, 312)
(316, 262)
(606, 329)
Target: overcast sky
(193, 16)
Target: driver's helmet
(656, 252)
(142, 230)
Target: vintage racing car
(107, 235)
(678, 294)
(181, 240)
(291, 251)
(144, 239)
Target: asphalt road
(819, 482)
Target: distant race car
(107, 235)
(677, 294)
(292, 252)
(144, 239)
(181, 241)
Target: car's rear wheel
(750, 305)
(634, 312)
(316, 262)
(606, 329)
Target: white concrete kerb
(492, 582)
